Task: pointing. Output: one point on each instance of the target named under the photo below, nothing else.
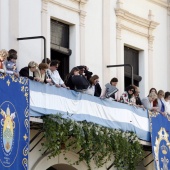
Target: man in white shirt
(54, 75)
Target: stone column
(45, 28)
(82, 35)
(4, 24)
(106, 41)
(14, 25)
(119, 47)
(150, 50)
(168, 39)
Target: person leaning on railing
(93, 81)
(3, 57)
(137, 97)
(148, 102)
(128, 96)
(29, 71)
(155, 102)
(10, 64)
(68, 81)
(110, 91)
(40, 73)
(161, 102)
(54, 75)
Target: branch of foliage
(91, 142)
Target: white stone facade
(99, 30)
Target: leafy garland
(91, 142)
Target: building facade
(95, 33)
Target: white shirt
(90, 90)
(56, 77)
(167, 106)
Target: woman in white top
(148, 102)
(93, 81)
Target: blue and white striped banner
(46, 99)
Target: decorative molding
(81, 1)
(82, 18)
(134, 23)
(119, 3)
(160, 3)
(65, 6)
(45, 6)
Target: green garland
(91, 142)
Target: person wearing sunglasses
(128, 96)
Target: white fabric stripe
(48, 101)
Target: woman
(110, 90)
(161, 103)
(40, 73)
(93, 81)
(29, 71)
(3, 57)
(128, 96)
(155, 102)
(148, 102)
(68, 81)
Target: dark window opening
(60, 46)
(63, 69)
(59, 34)
(131, 56)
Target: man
(54, 75)
(137, 98)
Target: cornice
(160, 3)
(134, 23)
(65, 6)
(81, 1)
(142, 22)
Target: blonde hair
(32, 64)
(160, 91)
(153, 95)
(3, 54)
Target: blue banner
(160, 137)
(14, 123)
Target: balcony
(28, 101)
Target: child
(11, 64)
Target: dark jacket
(98, 90)
(138, 101)
(69, 83)
(24, 72)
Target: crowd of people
(82, 80)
